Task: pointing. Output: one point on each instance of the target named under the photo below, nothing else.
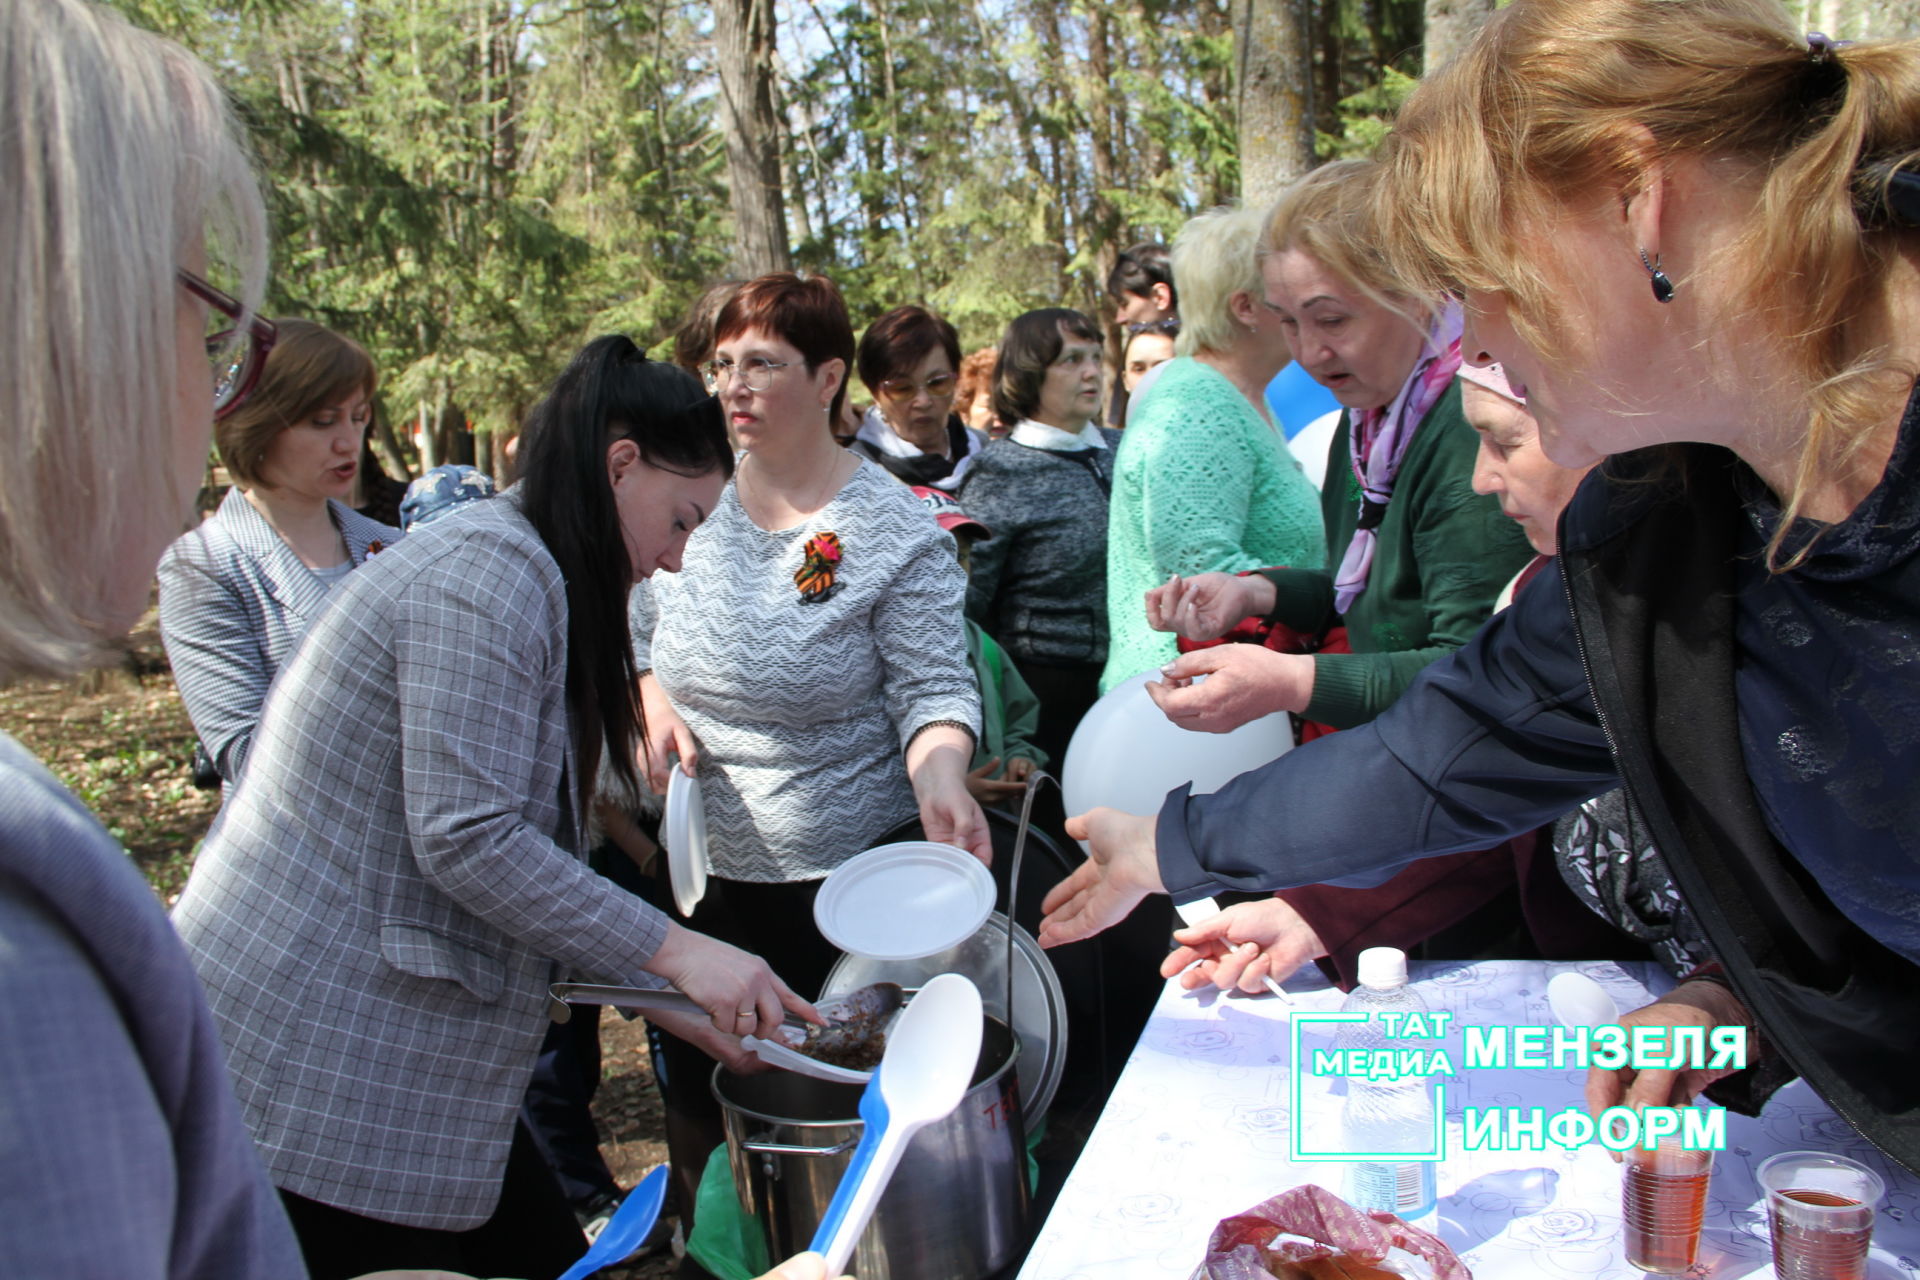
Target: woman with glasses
(1039, 585)
(124, 1154)
(809, 665)
(909, 361)
(1203, 481)
(237, 593)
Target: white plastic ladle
(1579, 1001)
(922, 1076)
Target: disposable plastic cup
(1663, 1198)
(1820, 1213)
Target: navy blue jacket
(1504, 736)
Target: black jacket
(1503, 736)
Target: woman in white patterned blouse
(809, 663)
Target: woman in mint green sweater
(1203, 480)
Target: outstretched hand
(1243, 946)
(1122, 867)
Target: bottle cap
(1383, 967)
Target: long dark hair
(609, 392)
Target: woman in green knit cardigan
(1203, 480)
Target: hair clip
(1822, 46)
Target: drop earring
(1662, 285)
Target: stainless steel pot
(957, 1206)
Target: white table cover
(1197, 1130)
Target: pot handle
(781, 1149)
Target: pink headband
(1492, 378)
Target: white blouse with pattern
(803, 711)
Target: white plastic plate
(684, 833)
(902, 901)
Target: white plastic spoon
(1579, 1001)
(922, 1076)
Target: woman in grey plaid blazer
(398, 877)
(237, 593)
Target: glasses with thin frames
(754, 371)
(940, 386)
(1077, 358)
(236, 351)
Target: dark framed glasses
(236, 353)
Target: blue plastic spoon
(626, 1229)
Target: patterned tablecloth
(1199, 1128)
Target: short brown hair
(901, 339)
(804, 311)
(693, 340)
(309, 368)
(1032, 343)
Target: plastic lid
(902, 901)
(1384, 967)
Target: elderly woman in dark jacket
(1039, 585)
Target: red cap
(949, 513)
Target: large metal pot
(957, 1206)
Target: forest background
(473, 188)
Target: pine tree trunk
(743, 46)
(1274, 84)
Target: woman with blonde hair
(1414, 556)
(1686, 231)
(124, 189)
(1203, 481)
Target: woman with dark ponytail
(379, 911)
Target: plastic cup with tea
(1820, 1213)
(1663, 1198)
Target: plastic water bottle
(1380, 1114)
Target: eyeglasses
(1169, 326)
(755, 372)
(940, 386)
(1077, 358)
(236, 354)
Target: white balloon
(1127, 755)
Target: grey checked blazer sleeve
(216, 643)
(468, 723)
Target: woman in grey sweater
(1039, 585)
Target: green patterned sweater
(1202, 481)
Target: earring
(1662, 285)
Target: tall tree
(743, 46)
(1274, 77)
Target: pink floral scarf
(1379, 439)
